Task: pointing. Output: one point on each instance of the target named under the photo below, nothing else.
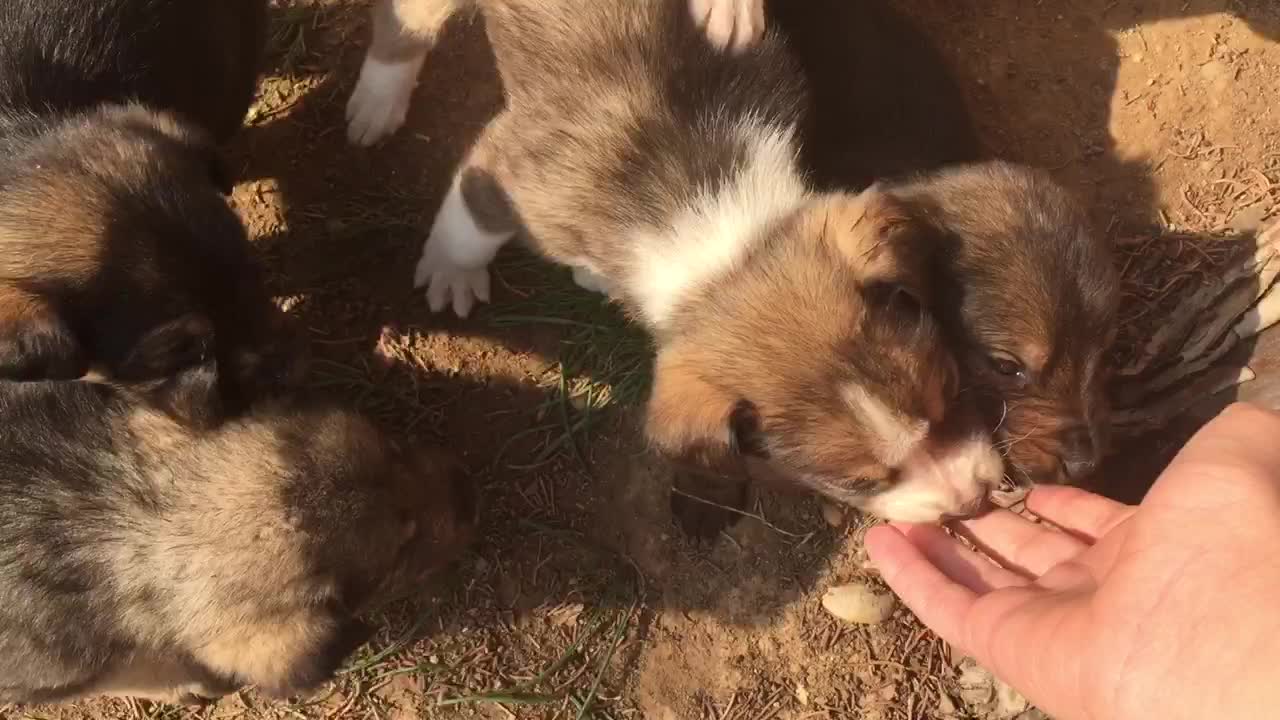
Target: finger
(1078, 512)
(939, 602)
(1019, 544)
(958, 562)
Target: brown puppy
(792, 339)
(139, 558)
(1030, 289)
(1029, 298)
(118, 253)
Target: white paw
(447, 283)
(732, 24)
(588, 279)
(379, 103)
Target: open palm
(1112, 611)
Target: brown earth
(1158, 112)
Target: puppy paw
(732, 24)
(448, 283)
(587, 279)
(379, 103)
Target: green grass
(604, 361)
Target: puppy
(404, 30)
(118, 252)
(1036, 364)
(139, 558)
(791, 330)
(1029, 296)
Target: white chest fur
(714, 232)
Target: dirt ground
(582, 599)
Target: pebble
(859, 603)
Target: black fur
(80, 83)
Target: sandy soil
(1158, 112)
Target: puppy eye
(1008, 366)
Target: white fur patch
(898, 435)
(455, 259)
(379, 103)
(713, 234)
(938, 482)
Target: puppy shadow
(538, 393)
(1188, 345)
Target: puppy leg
(167, 680)
(474, 221)
(34, 342)
(732, 24)
(403, 32)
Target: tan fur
(233, 556)
(668, 173)
(781, 335)
(1030, 280)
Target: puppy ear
(174, 369)
(35, 344)
(705, 434)
(892, 249)
(176, 345)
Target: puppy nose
(973, 508)
(1079, 453)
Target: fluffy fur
(140, 558)
(1037, 364)
(118, 253)
(792, 335)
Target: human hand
(1163, 610)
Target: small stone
(977, 685)
(802, 694)
(859, 603)
(946, 706)
(1009, 702)
(833, 514)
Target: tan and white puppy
(405, 30)
(791, 331)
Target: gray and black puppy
(118, 252)
(140, 558)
